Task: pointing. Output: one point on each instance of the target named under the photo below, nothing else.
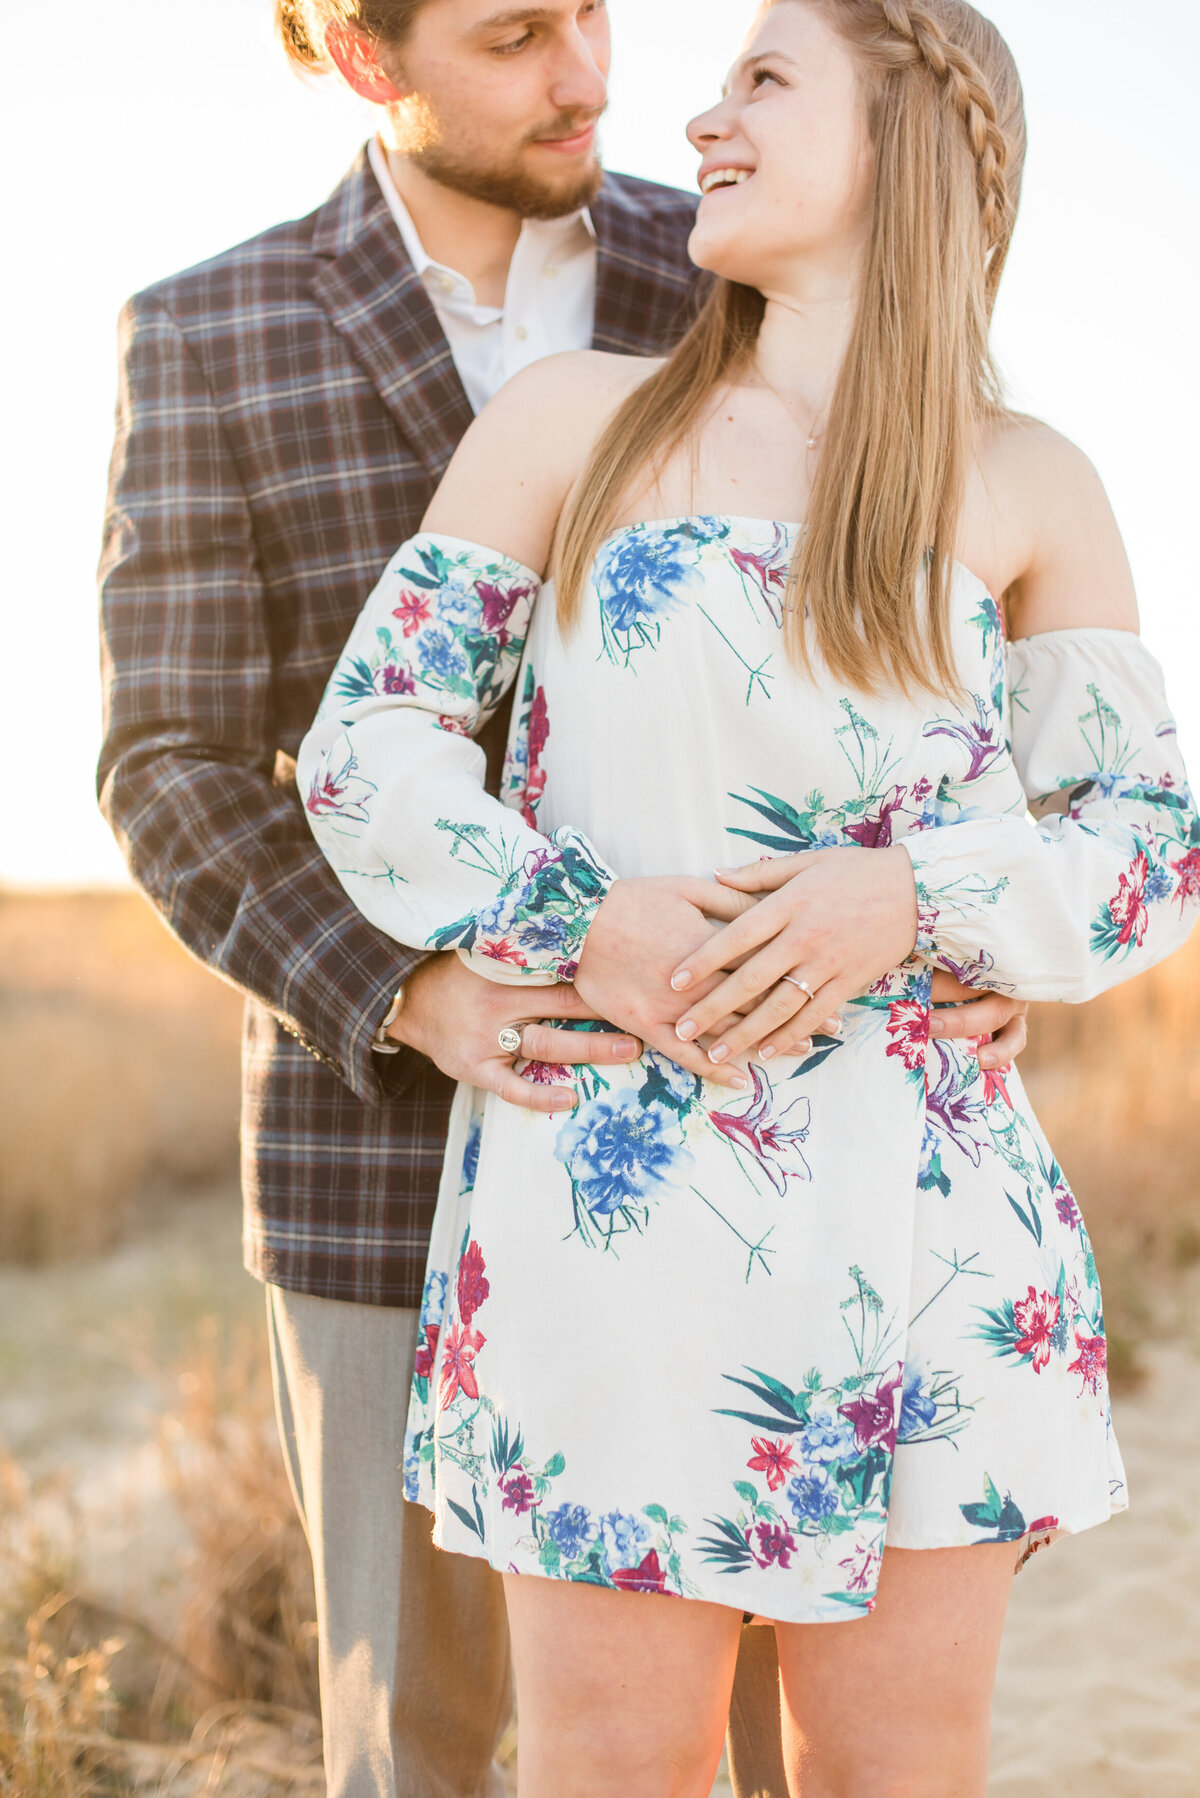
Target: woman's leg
(620, 1694)
(899, 1705)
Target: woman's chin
(717, 254)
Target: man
(285, 413)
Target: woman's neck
(803, 342)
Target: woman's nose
(708, 128)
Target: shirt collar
(418, 255)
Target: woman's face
(790, 137)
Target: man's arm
(188, 766)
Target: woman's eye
(761, 75)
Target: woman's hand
(835, 920)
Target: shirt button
(550, 271)
(520, 334)
(445, 284)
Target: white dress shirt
(549, 299)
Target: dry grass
(93, 1701)
(118, 1070)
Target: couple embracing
(655, 1236)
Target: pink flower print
(413, 612)
(538, 734)
(547, 1073)
(426, 1352)
(648, 1576)
(501, 949)
(768, 569)
(517, 1488)
(772, 1143)
(1067, 1209)
(994, 1087)
(876, 832)
(395, 678)
(1036, 1318)
(337, 789)
(498, 604)
(1091, 1362)
(1188, 870)
(776, 1545)
(908, 1025)
(1128, 908)
(877, 1419)
(458, 1364)
(863, 1569)
(772, 1458)
(455, 727)
(473, 1283)
(978, 738)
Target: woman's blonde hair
(946, 118)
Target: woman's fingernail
(834, 1027)
(739, 1083)
(625, 1047)
(681, 981)
(563, 1101)
(987, 1061)
(685, 1030)
(768, 1054)
(804, 1048)
(936, 1027)
(726, 872)
(720, 1053)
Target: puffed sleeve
(392, 781)
(1106, 882)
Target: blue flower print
(1159, 885)
(619, 1150)
(919, 1408)
(638, 578)
(570, 1529)
(827, 1438)
(433, 1300)
(441, 654)
(812, 1496)
(674, 1080)
(470, 1166)
(624, 1539)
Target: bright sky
(176, 129)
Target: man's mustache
(568, 124)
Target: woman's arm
(1103, 886)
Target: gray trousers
(414, 1662)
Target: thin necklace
(812, 436)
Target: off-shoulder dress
(728, 1346)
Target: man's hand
(455, 1016)
(638, 935)
(980, 1015)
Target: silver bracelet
(380, 1042)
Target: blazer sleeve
(393, 782)
(187, 774)
(1106, 883)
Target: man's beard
(512, 188)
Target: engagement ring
(802, 984)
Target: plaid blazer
(285, 412)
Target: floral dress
(723, 1345)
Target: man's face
(501, 100)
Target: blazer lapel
(367, 285)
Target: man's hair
(301, 24)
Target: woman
(826, 1347)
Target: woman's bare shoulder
(514, 468)
(1058, 542)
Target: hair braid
(975, 103)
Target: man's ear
(356, 61)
